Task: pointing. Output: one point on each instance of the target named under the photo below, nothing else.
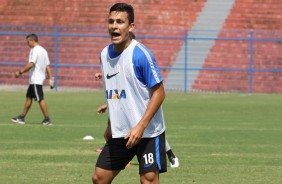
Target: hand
(134, 136)
(102, 109)
(98, 76)
(18, 74)
(51, 82)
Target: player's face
(30, 42)
(119, 28)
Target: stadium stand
(155, 19)
(212, 16)
(246, 15)
(151, 17)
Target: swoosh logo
(147, 165)
(110, 76)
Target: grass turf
(219, 138)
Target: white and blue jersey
(128, 77)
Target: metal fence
(190, 60)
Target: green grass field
(219, 139)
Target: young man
(134, 94)
(38, 65)
(173, 160)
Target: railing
(176, 51)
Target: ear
(131, 27)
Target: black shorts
(150, 153)
(35, 91)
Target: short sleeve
(145, 66)
(33, 55)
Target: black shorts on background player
(35, 92)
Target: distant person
(38, 65)
(174, 162)
(134, 92)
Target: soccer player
(38, 65)
(173, 160)
(134, 92)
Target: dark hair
(123, 7)
(33, 37)
(132, 35)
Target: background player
(38, 65)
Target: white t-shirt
(128, 78)
(39, 56)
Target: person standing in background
(38, 66)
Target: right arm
(98, 76)
(25, 69)
(102, 108)
(108, 132)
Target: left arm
(135, 134)
(51, 78)
(48, 71)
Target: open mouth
(115, 35)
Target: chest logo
(115, 94)
(110, 76)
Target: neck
(122, 46)
(34, 45)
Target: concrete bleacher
(211, 17)
(245, 15)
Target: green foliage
(219, 138)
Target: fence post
(185, 61)
(251, 64)
(56, 62)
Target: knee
(95, 178)
(150, 177)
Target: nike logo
(110, 76)
(147, 165)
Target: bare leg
(101, 176)
(27, 106)
(43, 108)
(150, 178)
